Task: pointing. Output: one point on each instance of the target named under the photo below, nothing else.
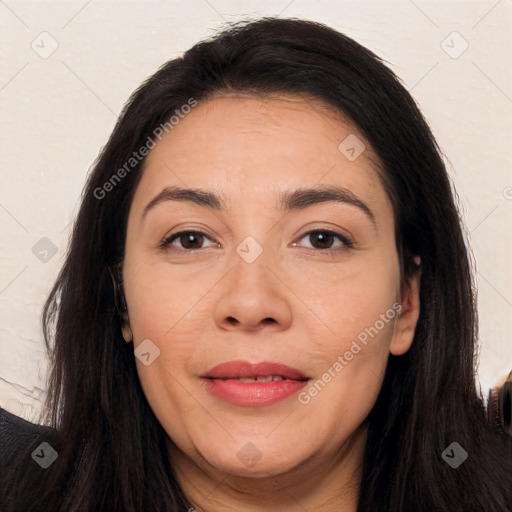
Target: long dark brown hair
(112, 449)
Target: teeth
(268, 378)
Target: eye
(189, 240)
(323, 240)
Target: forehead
(250, 147)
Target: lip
(221, 382)
(235, 369)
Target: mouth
(253, 385)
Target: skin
(210, 306)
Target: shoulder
(16, 431)
(9, 423)
(21, 445)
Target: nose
(253, 297)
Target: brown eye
(323, 240)
(191, 240)
(188, 240)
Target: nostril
(232, 320)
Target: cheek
(170, 308)
(162, 299)
(351, 348)
(352, 366)
(349, 303)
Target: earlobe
(127, 332)
(405, 325)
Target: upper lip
(236, 369)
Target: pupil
(189, 240)
(323, 238)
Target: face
(262, 273)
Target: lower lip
(253, 394)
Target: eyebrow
(297, 199)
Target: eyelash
(347, 243)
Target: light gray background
(58, 110)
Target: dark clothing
(21, 450)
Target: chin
(248, 456)
(260, 469)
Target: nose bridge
(252, 268)
(253, 295)
(250, 250)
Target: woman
(267, 302)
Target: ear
(120, 302)
(407, 319)
(127, 331)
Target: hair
(113, 453)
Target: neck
(330, 485)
